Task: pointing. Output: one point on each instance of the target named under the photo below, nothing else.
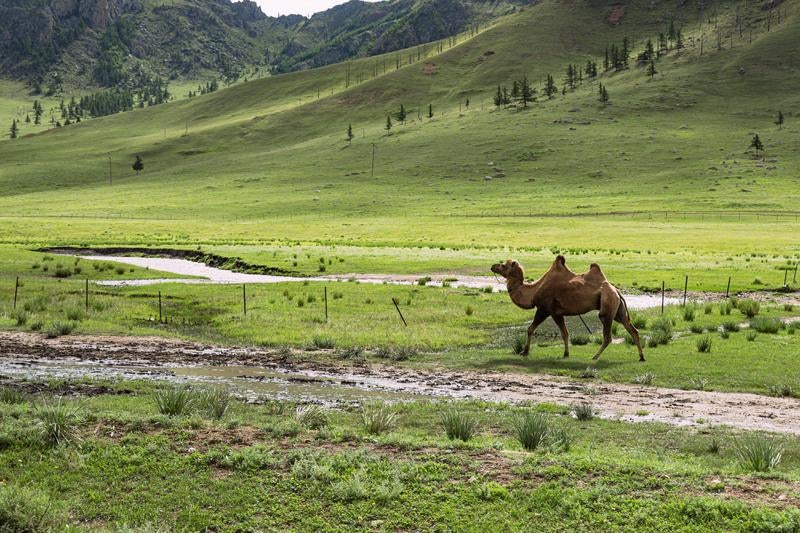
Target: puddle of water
(206, 274)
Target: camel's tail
(622, 312)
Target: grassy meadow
(137, 456)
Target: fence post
(160, 320)
(685, 288)
(794, 278)
(244, 298)
(86, 293)
(662, 297)
(785, 274)
(394, 301)
(326, 302)
(728, 290)
(16, 289)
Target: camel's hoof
(524, 354)
(642, 360)
(566, 356)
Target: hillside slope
(268, 159)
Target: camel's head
(509, 270)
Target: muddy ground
(613, 401)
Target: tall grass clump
(216, 402)
(532, 429)
(459, 424)
(58, 329)
(10, 395)
(751, 335)
(20, 318)
(758, 452)
(704, 344)
(323, 343)
(688, 313)
(725, 308)
(708, 308)
(519, 343)
(764, 324)
(311, 416)
(174, 401)
(378, 418)
(580, 339)
(582, 411)
(730, 327)
(23, 509)
(644, 379)
(748, 308)
(59, 422)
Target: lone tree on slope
(549, 87)
(603, 94)
(138, 165)
(756, 144)
(350, 134)
(779, 120)
(14, 129)
(401, 115)
(651, 68)
(388, 126)
(525, 91)
(430, 110)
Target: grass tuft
(459, 424)
(704, 344)
(748, 308)
(583, 411)
(644, 379)
(758, 452)
(311, 416)
(378, 418)
(174, 401)
(764, 324)
(59, 423)
(532, 429)
(215, 402)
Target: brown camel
(561, 292)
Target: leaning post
(16, 290)
(685, 288)
(662, 297)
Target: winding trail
(612, 401)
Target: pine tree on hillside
(401, 114)
(651, 68)
(138, 165)
(779, 120)
(756, 144)
(679, 40)
(388, 126)
(526, 91)
(624, 53)
(606, 61)
(430, 110)
(27, 118)
(603, 94)
(515, 91)
(14, 128)
(649, 52)
(350, 134)
(506, 97)
(550, 86)
(662, 45)
(570, 77)
(498, 97)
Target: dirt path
(614, 401)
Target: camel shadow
(547, 364)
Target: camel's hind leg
(609, 306)
(562, 325)
(624, 319)
(538, 318)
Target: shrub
(354, 352)
(215, 402)
(532, 429)
(58, 329)
(751, 335)
(311, 416)
(763, 324)
(20, 318)
(469, 310)
(788, 307)
(688, 314)
(174, 401)
(748, 308)
(724, 334)
(61, 272)
(644, 379)
(730, 327)
(23, 509)
(583, 411)
(698, 383)
(350, 490)
(423, 281)
(696, 328)
(519, 343)
(639, 322)
(323, 343)
(36, 325)
(119, 270)
(459, 424)
(10, 395)
(725, 308)
(59, 422)
(782, 390)
(658, 337)
(704, 344)
(589, 373)
(378, 418)
(791, 328)
(708, 308)
(662, 323)
(75, 314)
(580, 340)
(758, 452)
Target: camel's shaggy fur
(561, 292)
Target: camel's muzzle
(498, 269)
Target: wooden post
(785, 274)
(159, 308)
(685, 287)
(372, 172)
(728, 290)
(662, 297)
(794, 278)
(396, 306)
(244, 298)
(16, 290)
(326, 303)
(86, 294)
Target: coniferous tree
(388, 126)
(138, 165)
(401, 114)
(756, 144)
(27, 118)
(549, 86)
(506, 97)
(651, 68)
(606, 61)
(649, 52)
(603, 94)
(498, 97)
(430, 110)
(570, 77)
(671, 33)
(662, 45)
(515, 91)
(14, 129)
(779, 120)
(624, 53)
(679, 39)
(350, 134)
(466, 104)
(525, 91)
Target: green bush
(725, 308)
(580, 340)
(20, 317)
(751, 335)
(708, 308)
(748, 308)
(423, 281)
(662, 323)
(459, 424)
(758, 452)
(589, 373)
(688, 314)
(730, 327)
(174, 401)
(658, 337)
(644, 379)
(696, 328)
(58, 329)
(519, 343)
(59, 422)
(704, 344)
(763, 324)
(639, 322)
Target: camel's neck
(521, 293)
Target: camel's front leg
(538, 318)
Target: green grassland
(121, 465)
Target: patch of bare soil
(616, 14)
(613, 401)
